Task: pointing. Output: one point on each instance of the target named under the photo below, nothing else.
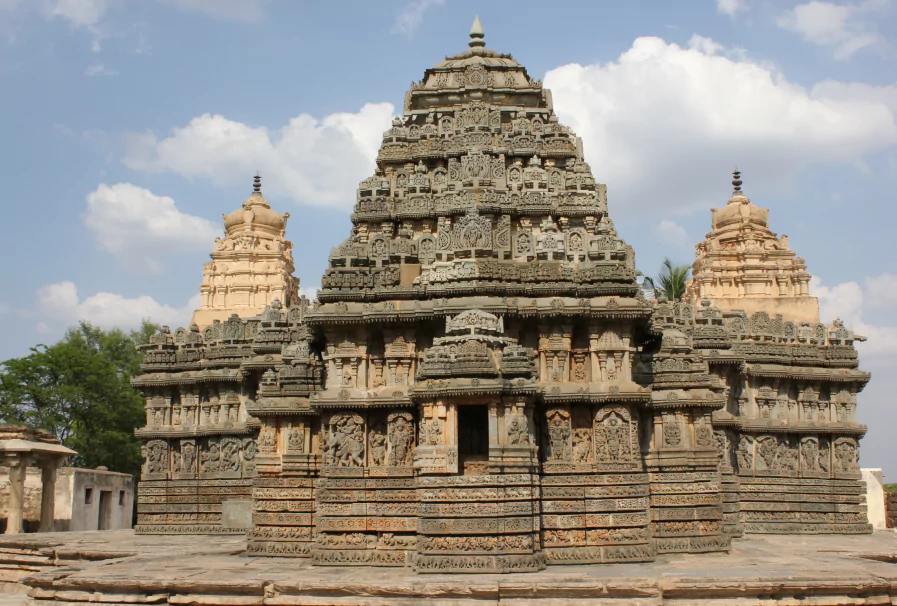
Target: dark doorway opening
(104, 517)
(473, 432)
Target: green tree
(670, 282)
(79, 389)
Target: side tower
(200, 438)
(743, 265)
(788, 433)
(250, 267)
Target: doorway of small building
(104, 516)
(473, 438)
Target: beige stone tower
(741, 264)
(251, 266)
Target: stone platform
(119, 567)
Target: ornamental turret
(742, 264)
(251, 266)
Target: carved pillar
(18, 464)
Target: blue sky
(129, 127)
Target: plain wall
(85, 516)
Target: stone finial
(736, 181)
(476, 34)
(257, 184)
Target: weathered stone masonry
(480, 384)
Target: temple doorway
(473, 438)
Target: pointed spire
(257, 184)
(476, 34)
(736, 181)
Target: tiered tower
(789, 428)
(250, 267)
(741, 264)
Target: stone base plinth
(120, 567)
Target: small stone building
(85, 499)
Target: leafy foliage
(79, 389)
(670, 282)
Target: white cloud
(848, 301)
(318, 162)
(237, 10)
(881, 291)
(138, 226)
(59, 306)
(671, 233)
(8, 5)
(731, 7)
(100, 70)
(840, 26)
(412, 15)
(664, 125)
(80, 13)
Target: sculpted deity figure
(377, 444)
(400, 438)
(582, 445)
(230, 454)
(517, 433)
(809, 452)
(346, 444)
(210, 458)
(188, 457)
(745, 454)
(559, 435)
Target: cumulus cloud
(412, 15)
(881, 291)
(731, 7)
(841, 26)
(237, 10)
(664, 125)
(138, 226)
(59, 306)
(311, 161)
(848, 301)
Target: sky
(128, 128)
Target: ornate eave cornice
(765, 426)
(191, 431)
(804, 373)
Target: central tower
(485, 403)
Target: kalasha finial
(736, 181)
(476, 34)
(257, 184)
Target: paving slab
(118, 567)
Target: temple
(481, 385)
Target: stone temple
(481, 385)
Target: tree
(79, 389)
(672, 278)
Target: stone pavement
(117, 567)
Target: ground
(117, 567)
